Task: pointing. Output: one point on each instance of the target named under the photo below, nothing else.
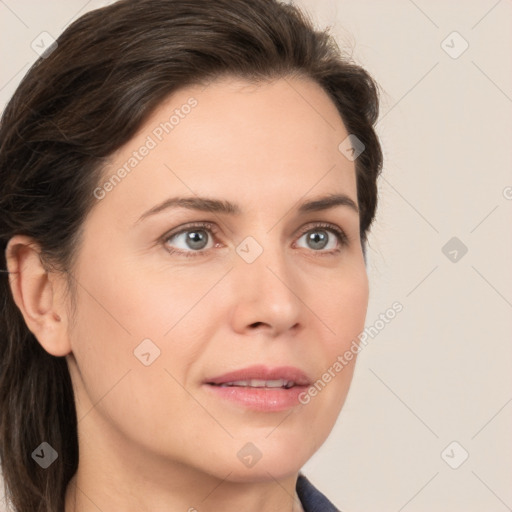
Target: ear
(39, 294)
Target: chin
(265, 459)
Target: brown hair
(75, 107)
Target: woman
(187, 190)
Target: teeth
(257, 383)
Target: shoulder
(311, 498)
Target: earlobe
(37, 293)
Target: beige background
(440, 371)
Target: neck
(85, 496)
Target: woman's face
(172, 300)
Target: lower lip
(260, 399)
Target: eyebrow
(226, 207)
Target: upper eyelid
(188, 227)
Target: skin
(151, 437)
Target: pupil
(318, 239)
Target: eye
(192, 240)
(327, 238)
(197, 239)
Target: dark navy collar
(311, 498)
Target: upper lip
(262, 372)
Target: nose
(266, 294)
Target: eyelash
(212, 228)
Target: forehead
(237, 140)
(285, 118)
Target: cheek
(112, 379)
(128, 302)
(343, 307)
(119, 308)
(343, 310)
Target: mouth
(257, 383)
(260, 388)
